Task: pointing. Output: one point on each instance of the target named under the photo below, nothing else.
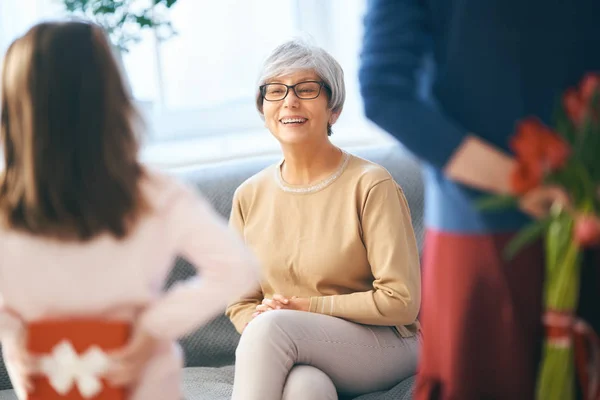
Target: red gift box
(82, 335)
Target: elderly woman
(336, 308)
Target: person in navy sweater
(449, 79)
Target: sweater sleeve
(10, 323)
(240, 311)
(394, 258)
(393, 53)
(226, 267)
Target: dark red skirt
(481, 315)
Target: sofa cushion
(4, 379)
(202, 383)
(217, 383)
(8, 395)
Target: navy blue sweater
(433, 71)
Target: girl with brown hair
(87, 234)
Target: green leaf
(75, 5)
(491, 203)
(117, 17)
(167, 3)
(143, 21)
(526, 236)
(106, 7)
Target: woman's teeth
(293, 120)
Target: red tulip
(525, 177)
(538, 150)
(589, 85)
(587, 231)
(557, 151)
(574, 106)
(577, 101)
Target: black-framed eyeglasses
(303, 90)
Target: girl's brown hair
(68, 129)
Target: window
(197, 88)
(16, 16)
(203, 79)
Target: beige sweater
(346, 243)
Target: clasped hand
(280, 302)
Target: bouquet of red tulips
(565, 158)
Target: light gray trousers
(295, 355)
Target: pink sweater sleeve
(10, 324)
(227, 269)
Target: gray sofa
(210, 350)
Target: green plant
(124, 20)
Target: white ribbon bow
(64, 368)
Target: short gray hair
(300, 55)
